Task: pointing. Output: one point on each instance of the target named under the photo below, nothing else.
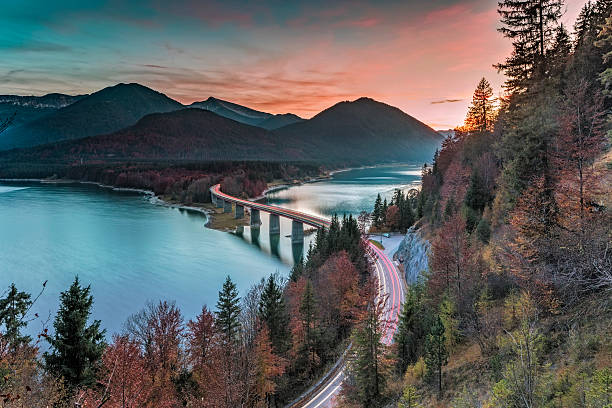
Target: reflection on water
(129, 250)
(277, 245)
(350, 191)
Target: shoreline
(209, 213)
(153, 198)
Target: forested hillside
(515, 309)
(105, 111)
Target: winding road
(325, 393)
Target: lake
(131, 250)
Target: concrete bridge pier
(239, 211)
(255, 218)
(297, 232)
(274, 224)
(227, 206)
(219, 202)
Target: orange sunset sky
(300, 57)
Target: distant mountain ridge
(246, 115)
(182, 135)
(105, 111)
(52, 100)
(363, 130)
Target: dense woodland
(258, 350)
(514, 310)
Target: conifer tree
(411, 330)
(228, 312)
(13, 309)
(273, 312)
(436, 355)
(531, 25)
(367, 365)
(76, 348)
(376, 214)
(384, 209)
(481, 113)
(308, 313)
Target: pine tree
(436, 355)
(308, 313)
(273, 312)
(605, 42)
(481, 113)
(367, 365)
(228, 312)
(411, 332)
(421, 204)
(376, 214)
(531, 25)
(409, 398)
(13, 309)
(385, 207)
(477, 196)
(76, 348)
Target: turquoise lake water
(131, 250)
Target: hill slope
(25, 109)
(280, 120)
(246, 115)
(105, 111)
(187, 134)
(365, 131)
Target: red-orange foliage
(204, 356)
(125, 382)
(159, 329)
(393, 216)
(580, 141)
(338, 292)
(530, 254)
(268, 367)
(451, 260)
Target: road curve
(390, 286)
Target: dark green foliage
(530, 24)
(13, 310)
(377, 213)
(412, 328)
(478, 195)
(228, 312)
(450, 208)
(273, 312)
(483, 230)
(297, 269)
(76, 348)
(471, 218)
(308, 313)
(342, 235)
(366, 365)
(436, 355)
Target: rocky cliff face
(413, 251)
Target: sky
(423, 56)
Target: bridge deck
(311, 220)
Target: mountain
(447, 133)
(25, 109)
(363, 131)
(183, 135)
(233, 111)
(107, 110)
(246, 115)
(280, 120)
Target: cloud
(445, 101)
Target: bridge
(298, 219)
(324, 393)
